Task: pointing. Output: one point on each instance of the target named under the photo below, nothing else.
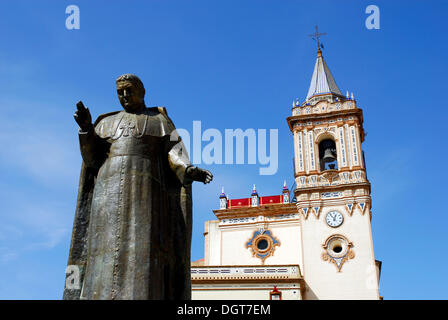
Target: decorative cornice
(245, 273)
(319, 116)
(289, 217)
(352, 185)
(331, 179)
(340, 170)
(286, 285)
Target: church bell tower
(333, 192)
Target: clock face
(334, 219)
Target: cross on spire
(316, 35)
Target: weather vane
(315, 36)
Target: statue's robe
(132, 230)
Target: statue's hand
(83, 117)
(198, 174)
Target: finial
(222, 195)
(293, 103)
(353, 97)
(297, 102)
(254, 191)
(348, 97)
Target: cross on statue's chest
(131, 125)
(127, 128)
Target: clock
(334, 219)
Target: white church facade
(314, 242)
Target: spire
(322, 82)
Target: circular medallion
(262, 244)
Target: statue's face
(131, 98)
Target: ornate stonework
(338, 249)
(262, 244)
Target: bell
(328, 156)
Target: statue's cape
(179, 194)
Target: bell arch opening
(328, 155)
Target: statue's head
(131, 92)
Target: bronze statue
(132, 230)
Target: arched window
(327, 155)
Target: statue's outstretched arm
(93, 148)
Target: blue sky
(228, 64)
